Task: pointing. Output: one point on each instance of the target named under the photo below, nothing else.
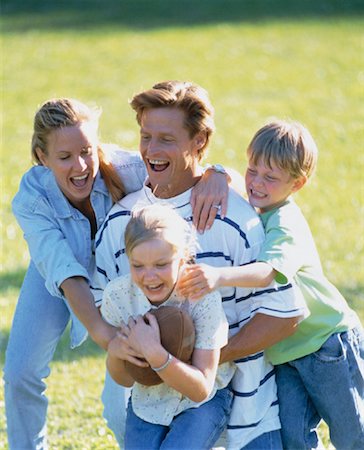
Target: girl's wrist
(156, 357)
(165, 365)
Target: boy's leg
(297, 413)
(200, 427)
(334, 378)
(38, 324)
(142, 435)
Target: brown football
(177, 333)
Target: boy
(320, 368)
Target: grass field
(258, 59)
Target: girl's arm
(118, 372)
(197, 280)
(193, 381)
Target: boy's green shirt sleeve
(281, 249)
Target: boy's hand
(198, 280)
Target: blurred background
(257, 58)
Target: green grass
(257, 59)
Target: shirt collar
(178, 201)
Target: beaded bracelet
(163, 366)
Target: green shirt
(290, 249)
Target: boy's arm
(198, 280)
(257, 274)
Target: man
(176, 124)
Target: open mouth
(156, 287)
(257, 194)
(158, 165)
(79, 181)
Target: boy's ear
(299, 183)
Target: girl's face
(73, 158)
(269, 187)
(154, 268)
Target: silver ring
(216, 206)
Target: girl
(191, 407)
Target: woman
(60, 205)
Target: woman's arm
(77, 292)
(194, 381)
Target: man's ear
(299, 183)
(41, 156)
(200, 140)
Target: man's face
(169, 153)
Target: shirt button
(101, 219)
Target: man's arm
(260, 332)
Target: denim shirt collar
(61, 206)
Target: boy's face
(154, 268)
(269, 187)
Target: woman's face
(73, 158)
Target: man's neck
(170, 191)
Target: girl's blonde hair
(160, 222)
(288, 144)
(58, 113)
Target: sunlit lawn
(307, 67)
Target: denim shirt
(57, 234)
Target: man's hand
(209, 197)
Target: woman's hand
(119, 347)
(209, 197)
(197, 280)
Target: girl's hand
(209, 197)
(144, 337)
(197, 280)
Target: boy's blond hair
(289, 145)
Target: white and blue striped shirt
(233, 241)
